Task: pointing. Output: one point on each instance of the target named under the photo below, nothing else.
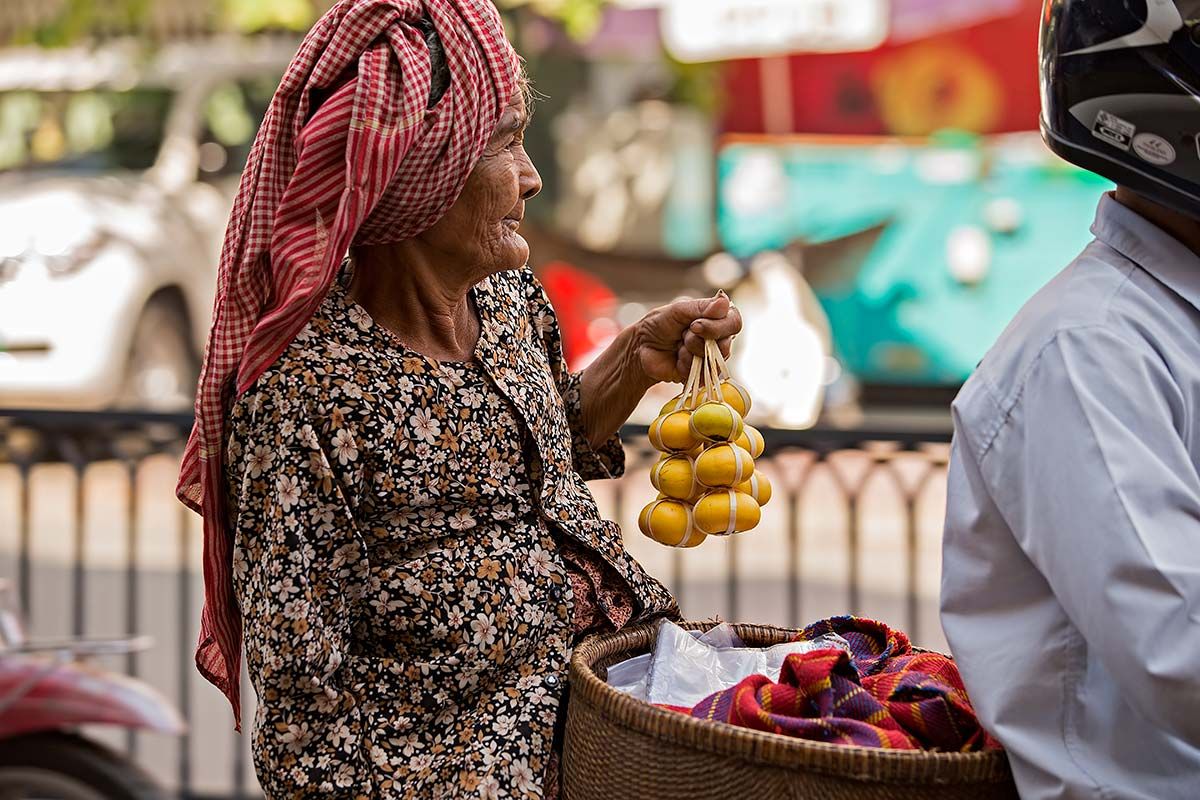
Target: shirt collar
(1150, 247)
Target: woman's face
(480, 229)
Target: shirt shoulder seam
(1006, 409)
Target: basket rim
(760, 747)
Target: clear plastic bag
(629, 676)
(685, 667)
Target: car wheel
(162, 368)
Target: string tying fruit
(716, 422)
(758, 487)
(724, 512)
(734, 394)
(670, 522)
(751, 441)
(723, 466)
(672, 432)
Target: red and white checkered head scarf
(369, 165)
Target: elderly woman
(389, 452)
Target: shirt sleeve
(300, 567)
(1093, 477)
(592, 463)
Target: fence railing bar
(827, 439)
(239, 757)
(131, 581)
(25, 535)
(89, 421)
(793, 569)
(78, 552)
(912, 543)
(676, 579)
(854, 598)
(795, 537)
(732, 580)
(184, 698)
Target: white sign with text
(713, 30)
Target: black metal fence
(132, 512)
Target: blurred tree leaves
(67, 21)
(77, 19)
(252, 16)
(579, 18)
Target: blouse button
(552, 680)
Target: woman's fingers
(693, 344)
(728, 325)
(701, 319)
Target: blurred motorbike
(47, 690)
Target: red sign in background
(981, 78)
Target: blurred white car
(117, 173)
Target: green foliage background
(69, 21)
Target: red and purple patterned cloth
(881, 694)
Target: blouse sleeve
(300, 565)
(592, 463)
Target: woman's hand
(656, 349)
(665, 340)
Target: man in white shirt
(1071, 569)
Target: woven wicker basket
(618, 748)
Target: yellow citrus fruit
(674, 401)
(758, 487)
(736, 395)
(726, 511)
(674, 476)
(694, 540)
(716, 422)
(672, 432)
(724, 466)
(667, 522)
(752, 441)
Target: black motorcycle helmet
(1120, 83)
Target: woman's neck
(424, 303)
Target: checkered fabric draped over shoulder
(368, 164)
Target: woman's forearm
(611, 388)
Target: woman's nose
(531, 181)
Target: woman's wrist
(612, 386)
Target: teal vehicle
(920, 252)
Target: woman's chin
(516, 252)
(506, 250)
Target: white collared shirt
(1071, 563)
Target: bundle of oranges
(706, 479)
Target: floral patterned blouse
(410, 538)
